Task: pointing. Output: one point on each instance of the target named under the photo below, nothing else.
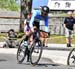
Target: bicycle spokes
(36, 51)
(73, 57)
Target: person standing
(69, 24)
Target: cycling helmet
(45, 9)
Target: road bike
(35, 49)
(71, 58)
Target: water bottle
(24, 43)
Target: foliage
(9, 5)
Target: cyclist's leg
(31, 40)
(35, 26)
(45, 42)
(26, 38)
(43, 37)
(28, 55)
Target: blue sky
(18, 2)
(38, 3)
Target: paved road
(8, 61)
(53, 60)
(57, 56)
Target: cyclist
(27, 32)
(38, 15)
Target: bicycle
(35, 49)
(71, 58)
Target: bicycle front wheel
(71, 58)
(21, 52)
(36, 52)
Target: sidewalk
(1, 44)
(51, 46)
(59, 47)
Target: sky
(18, 2)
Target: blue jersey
(36, 14)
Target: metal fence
(6, 24)
(56, 25)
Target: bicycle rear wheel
(71, 58)
(36, 52)
(21, 52)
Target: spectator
(11, 34)
(69, 24)
(9, 40)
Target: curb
(8, 51)
(61, 47)
(51, 47)
(55, 48)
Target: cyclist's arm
(46, 24)
(32, 19)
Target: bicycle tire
(69, 56)
(40, 54)
(18, 53)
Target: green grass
(4, 35)
(56, 39)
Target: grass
(4, 35)
(56, 39)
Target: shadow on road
(47, 64)
(2, 60)
(43, 62)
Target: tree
(9, 5)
